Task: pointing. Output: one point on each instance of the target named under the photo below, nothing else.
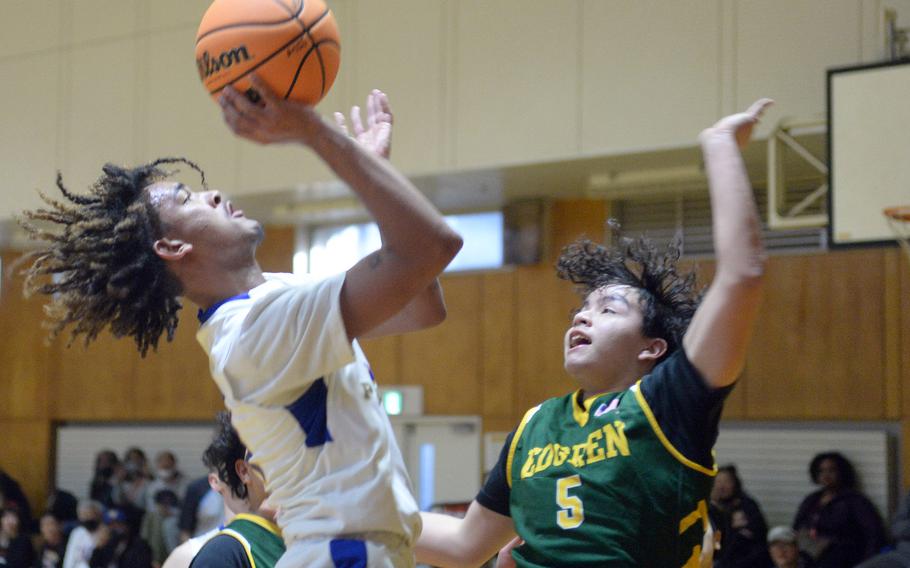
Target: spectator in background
(900, 531)
(82, 540)
(15, 545)
(118, 546)
(167, 476)
(784, 550)
(743, 529)
(838, 525)
(63, 504)
(11, 495)
(53, 542)
(136, 479)
(104, 485)
(202, 510)
(159, 525)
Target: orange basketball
(292, 45)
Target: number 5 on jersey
(572, 511)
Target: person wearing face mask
(167, 476)
(118, 546)
(84, 538)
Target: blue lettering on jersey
(347, 553)
(310, 412)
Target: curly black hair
(104, 271)
(224, 451)
(667, 298)
(846, 473)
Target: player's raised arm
(417, 244)
(719, 334)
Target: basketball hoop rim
(899, 213)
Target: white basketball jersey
(303, 399)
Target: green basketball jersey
(599, 484)
(261, 539)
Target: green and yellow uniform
(617, 479)
(249, 541)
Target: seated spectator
(82, 540)
(118, 546)
(15, 545)
(104, 485)
(838, 525)
(202, 510)
(743, 529)
(135, 481)
(62, 505)
(900, 531)
(52, 544)
(167, 476)
(784, 550)
(159, 526)
(11, 495)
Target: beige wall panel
(176, 13)
(650, 73)
(30, 137)
(446, 359)
(783, 49)
(515, 81)
(403, 56)
(180, 117)
(267, 168)
(100, 114)
(94, 20)
(818, 349)
(29, 25)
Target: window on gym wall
(333, 249)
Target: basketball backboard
(869, 150)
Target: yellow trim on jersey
(521, 426)
(582, 413)
(261, 521)
(663, 439)
(242, 540)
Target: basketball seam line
(252, 24)
(306, 56)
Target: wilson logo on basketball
(209, 65)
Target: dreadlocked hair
(224, 451)
(98, 265)
(667, 298)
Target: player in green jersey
(251, 539)
(619, 472)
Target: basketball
(292, 45)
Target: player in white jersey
(282, 349)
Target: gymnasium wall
(473, 83)
(832, 343)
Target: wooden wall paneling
(175, 383)
(544, 306)
(498, 350)
(24, 358)
(384, 355)
(819, 339)
(276, 253)
(571, 219)
(904, 361)
(26, 457)
(446, 359)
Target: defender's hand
(504, 558)
(740, 124)
(271, 119)
(377, 136)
